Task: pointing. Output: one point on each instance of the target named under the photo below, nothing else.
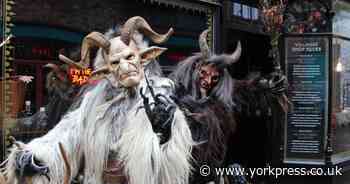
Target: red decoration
(272, 15)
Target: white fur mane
(99, 127)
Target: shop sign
(79, 76)
(307, 73)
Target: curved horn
(225, 60)
(71, 62)
(94, 39)
(52, 66)
(102, 70)
(236, 54)
(100, 73)
(56, 69)
(140, 24)
(203, 45)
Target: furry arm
(46, 150)
(252, 96)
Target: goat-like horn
(94, 39)
(91, 40)
(236, 54)
(140, 24)
(52, 66)
(56, 69)
(66, 163)
(100, 73)
(102, 70)
(71, 62)
(203, 45)
(225, 60)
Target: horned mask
(123, 57)
(211, 67)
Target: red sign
(79, 76)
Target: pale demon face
(127, 62)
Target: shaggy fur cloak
(108, 123)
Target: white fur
(98, 127)
(145, 161)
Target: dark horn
(58, 71)
(52, 66)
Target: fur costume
(210, 118)
(60, 94)
(110, 125)
(211, 125)
(218, 110)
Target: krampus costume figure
(212, 99)
(114, 136)
(61, 94)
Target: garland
(7, 51)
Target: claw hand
(276, 83)
(160, 113)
